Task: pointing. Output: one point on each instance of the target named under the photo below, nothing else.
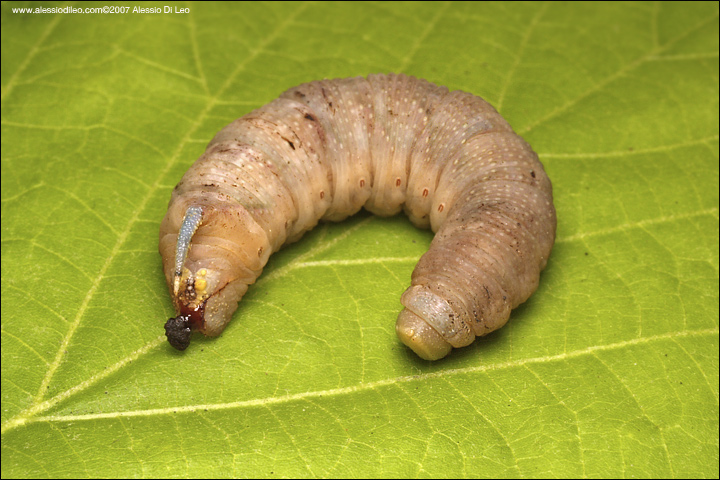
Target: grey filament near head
(190, 224)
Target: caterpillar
(325, 149)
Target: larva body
(325, 149)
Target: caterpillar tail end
(423, 339)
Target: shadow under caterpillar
(326, 149)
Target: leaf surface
(610, 369)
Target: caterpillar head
(211, 267)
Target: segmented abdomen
(325, 149)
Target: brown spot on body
(292, 145)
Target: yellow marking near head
(200, 286)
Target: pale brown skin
(325, 149)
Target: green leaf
(610, 369)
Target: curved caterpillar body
(325, 149)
